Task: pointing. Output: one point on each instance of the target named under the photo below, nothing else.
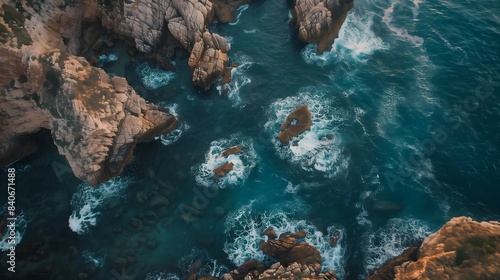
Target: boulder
(296, 123)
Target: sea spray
(319, 149)
(174, 135)
(391, 240)
(88, 202)
(243, 163)
(154, 78)
(356, 42)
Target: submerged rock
(461, 249)
(296, 123)
(319, 21)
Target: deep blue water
(405, 136)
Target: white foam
(243, 163)
(88, 202)
(154, 78)
(392, 240)
(252, 31)
(244, 226)
(318, 149)
(174, 135)
(387, 18)
(104, 59)
(356, 42)
(159, 275)
(21, 225)
(94, 260)
(240, 10)
(362, 217)
(239, 78)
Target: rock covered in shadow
(319, 21)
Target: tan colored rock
(319, 21)
(232, 151)
(221, 171)
(95, 120)
(461, 249)
(297, 122)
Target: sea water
(404, 136)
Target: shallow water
(375, 164)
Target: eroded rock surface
(95, 120)
(186, 24)
(319, 21)
(461, 249)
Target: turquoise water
(405, 136)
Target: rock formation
(319, 21)
(95, 120)
(156, 25)
(295, 260)
(461, 249)
(222, 170)
(296, 123)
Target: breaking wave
(243, 163)
(318, 149)
(88, 202)
(245, 225)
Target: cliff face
(461, 249)
(164, 24)
(95, 120)
(319, 21)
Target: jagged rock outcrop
(319, 21)
(461, 249)
(297, 122)
(154, 25)
(295, 260)
(95, 120)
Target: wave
(243, 163)
(204, 263)
(392, 240)
(244, 226)
(21, 225)
(402, 33)
(159, 275)
(94, 260)
(318, 149)
(356, 42)
(240, 10)
(154, 78)
(239, 78)
(174, 135)
(105, 59)
(88, 202)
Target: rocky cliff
(461, 249)
(319, 21)
(95, 120)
